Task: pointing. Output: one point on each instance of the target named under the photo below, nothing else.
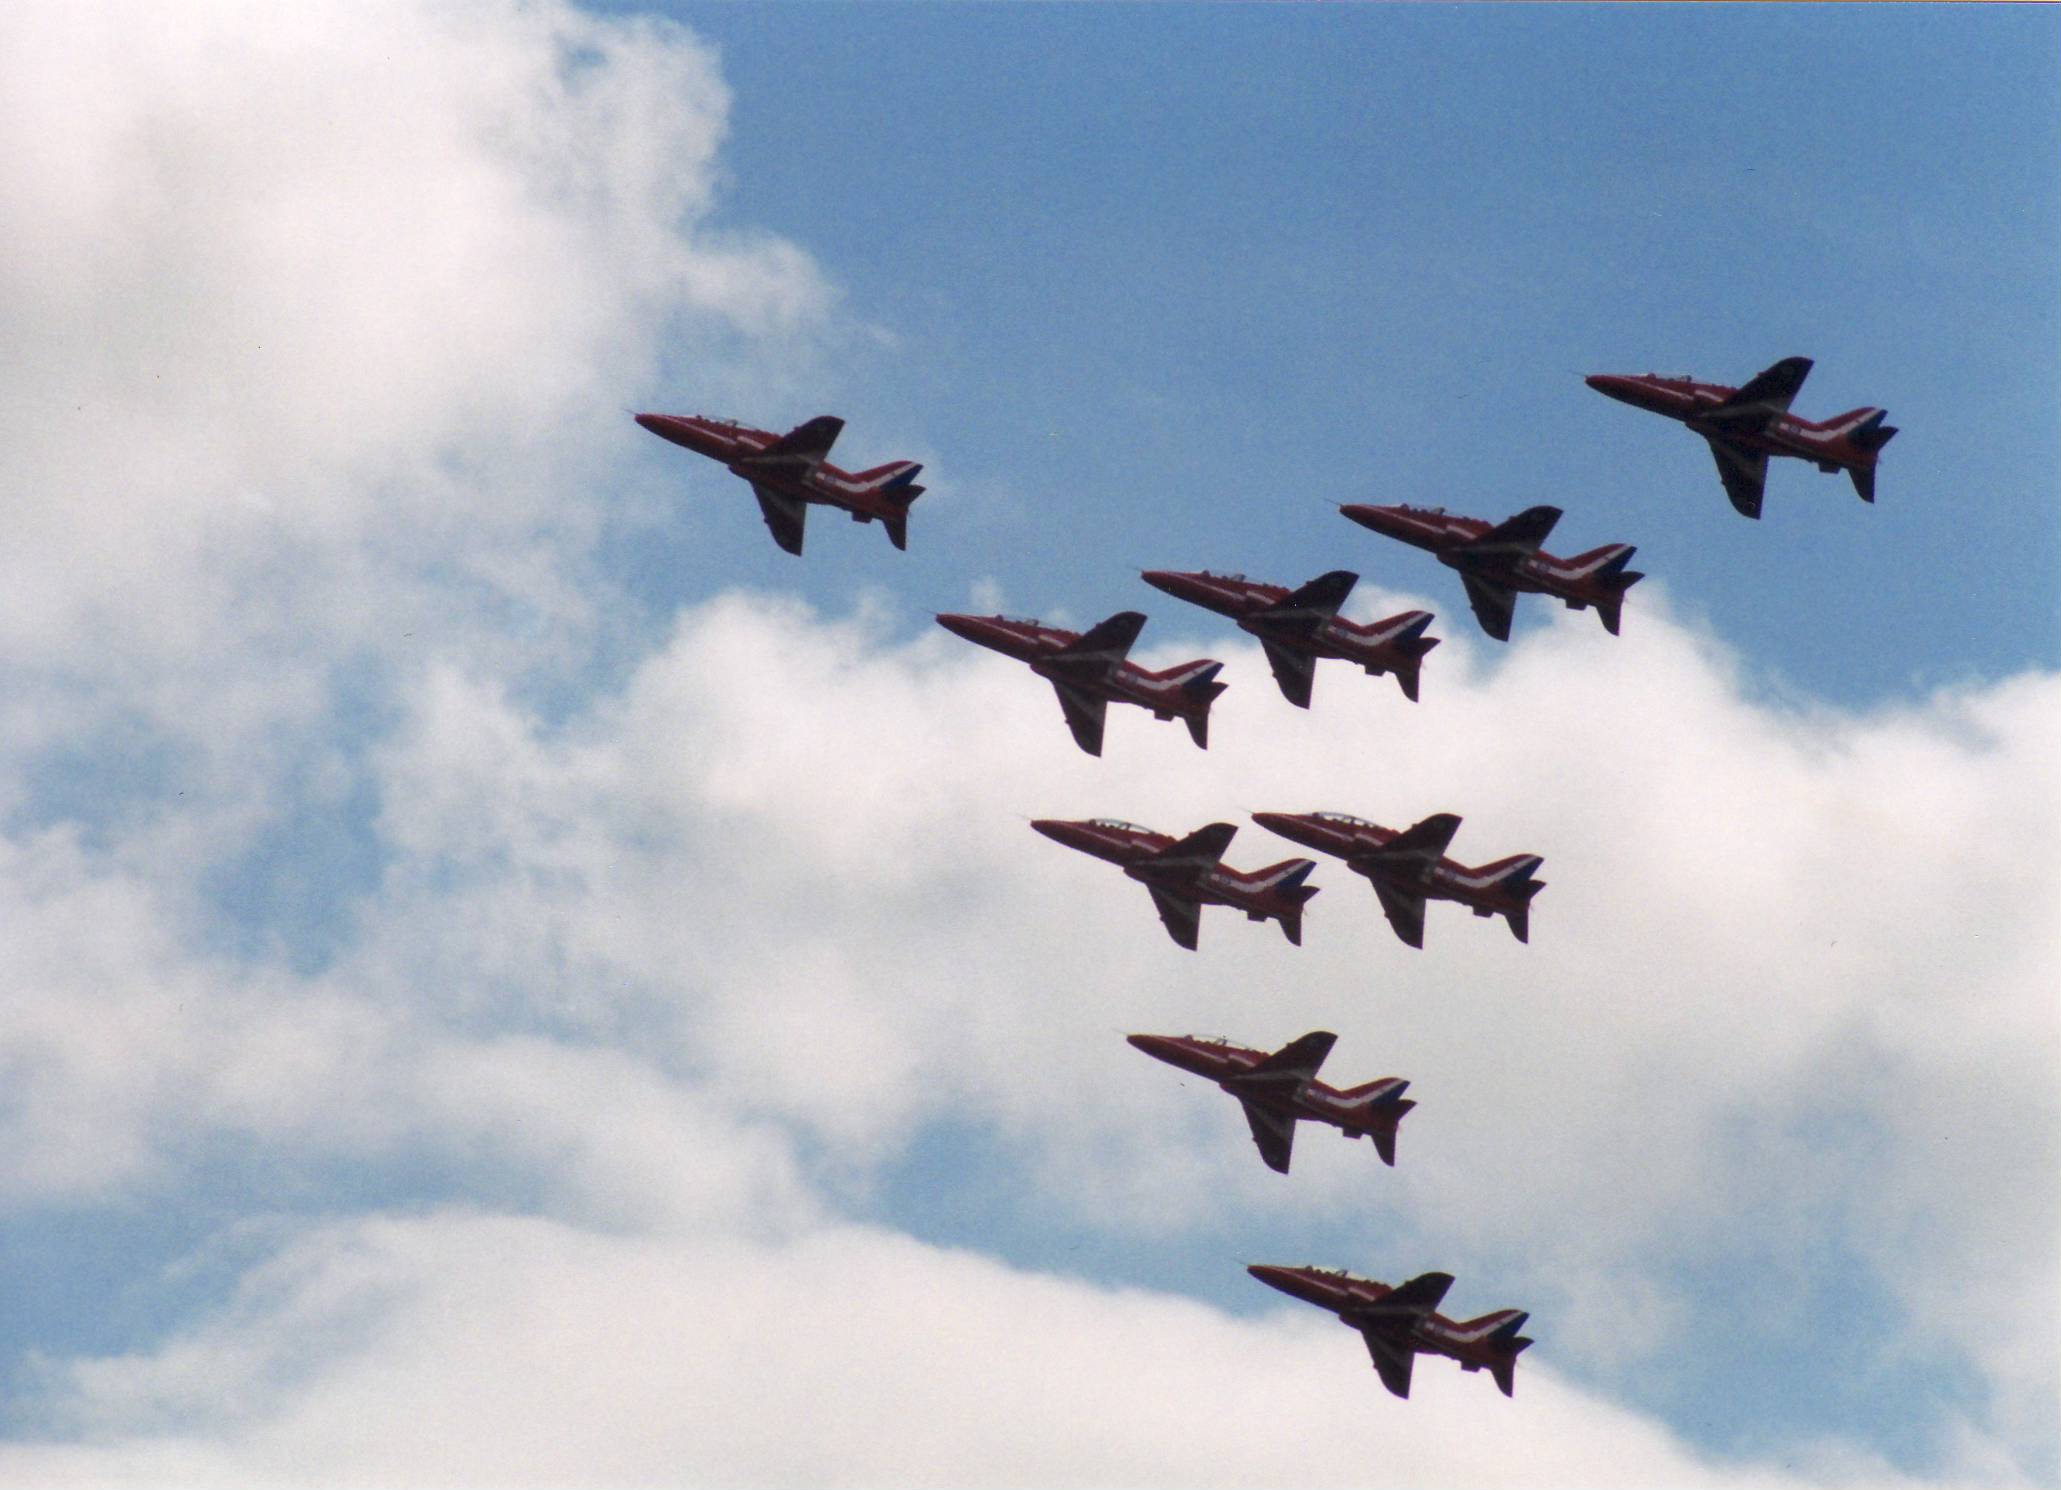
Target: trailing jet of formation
(1297, 627)
(1747, 425)
(788, 472)
(1185, 875)
(1497, 560)
(1410, 867)
(1279, 1090)
(1088, 671)
(1401, 1323)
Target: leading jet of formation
(1088, 672)
(788, 472)
(1281, 1089)
(1747, 425)
(1297, 627)
(1187, 874)
(1401, 1323)
(1410, 867)
(1497, 560)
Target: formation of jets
(1496, 562)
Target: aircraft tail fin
(1614, 579)
(1513, 876)
(1380, 1107)
(897, 530)
(1509, 1346)
(1872, 434)
(1291, 887)
(1201, 689)
(896, 480)
(1409, 643)
(1868, 437)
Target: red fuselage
(863, 493)
(1126, 683)
(1354, 840)
(1581, 581)
(1260, 894)
(1358, 1113)
(1471, 1342)
(1394, 645)
(1827, 445)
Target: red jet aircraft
(1295, 629)
(1401, 1323)
(787, 472)
(1276, 1090)
(1495, 561)
(1410, 867)
(1747, 425)
(1089, 671)
(1185, 876)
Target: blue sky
(1167, 280)
(498, 949)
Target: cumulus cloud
(661, 982)
(466, 1349)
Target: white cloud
(316, 321)
(467, 1350)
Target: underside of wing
(784, 516)
(1493, 605)
(1765, 396)
(1085, 713)
(1392, 1359)
(1744, 473)
(801, 449)
(1294, 671)
(1274, 1132)
(1405, 912)
(1311, 606)
(1183, 918)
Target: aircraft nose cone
(1173, 581)
(966, 626)
(1611, 385)
(1283, 823)
(1056, 829)
(1275, 1277)
(1381, 519)
(1157, 1046)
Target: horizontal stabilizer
(1409, 638)
(1202, 682)
(1873, 433)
